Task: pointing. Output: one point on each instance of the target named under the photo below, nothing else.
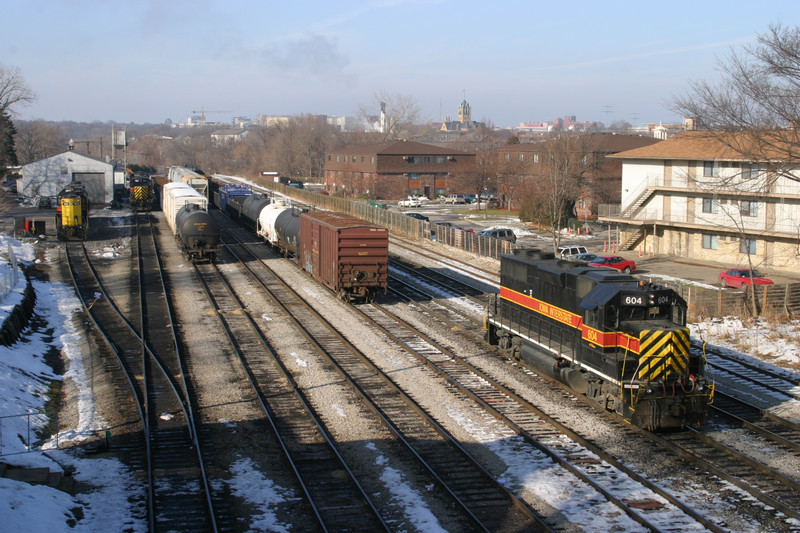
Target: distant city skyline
(149, 61)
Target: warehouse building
(45, 178)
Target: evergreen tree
(8, 154)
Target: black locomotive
(140, 192)
(620, 341)
(72, 213)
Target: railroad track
(338, 502)
(178, 494)
(618, 484)
(768, 485)
(485, 504)
(485, 280)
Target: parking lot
(471, 217)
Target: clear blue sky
(515, 61)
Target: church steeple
(464, 111)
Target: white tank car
(271, 219)
(175, 196)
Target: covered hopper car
(620, 341)
(193, 178)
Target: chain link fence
(27, 432)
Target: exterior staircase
(634, 239)
(641, 199)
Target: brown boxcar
(347, 254)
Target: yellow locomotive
(72, 213)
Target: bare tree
(731, 203)
(554, 186)
(38, 139)
(755, 109)
(395, 117)
(13, 90)
(753, 113)
(482, 176)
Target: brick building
(600, 176)
(392, 170)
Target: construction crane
(203, 112)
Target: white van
(455, 199)
(564, 252)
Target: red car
(614, 261)
(736, 277)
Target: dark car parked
(499, 233)
(417, 216)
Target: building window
(439, 160)
(337, 158)
(508, 157)
(372, 160)
(427, 159)
(329, 157)
(710, 242)
(362, 158)
(710, 169)
(710, 205)
(747, 246)
(415, 160)
(522, 157)
(749, 209)
(535, 158)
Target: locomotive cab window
(593, 317)
(678, 315)
(612, 317)
(633, 313)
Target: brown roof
(397, 148)
(603, 143)
(698, 145)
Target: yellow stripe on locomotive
(71, 214)
(142, 193)
(662, 353)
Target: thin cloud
(644, 55)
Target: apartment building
(392, 170)
(599, 176)
(693, 196)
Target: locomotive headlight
(649, 389)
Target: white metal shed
(48, 176)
